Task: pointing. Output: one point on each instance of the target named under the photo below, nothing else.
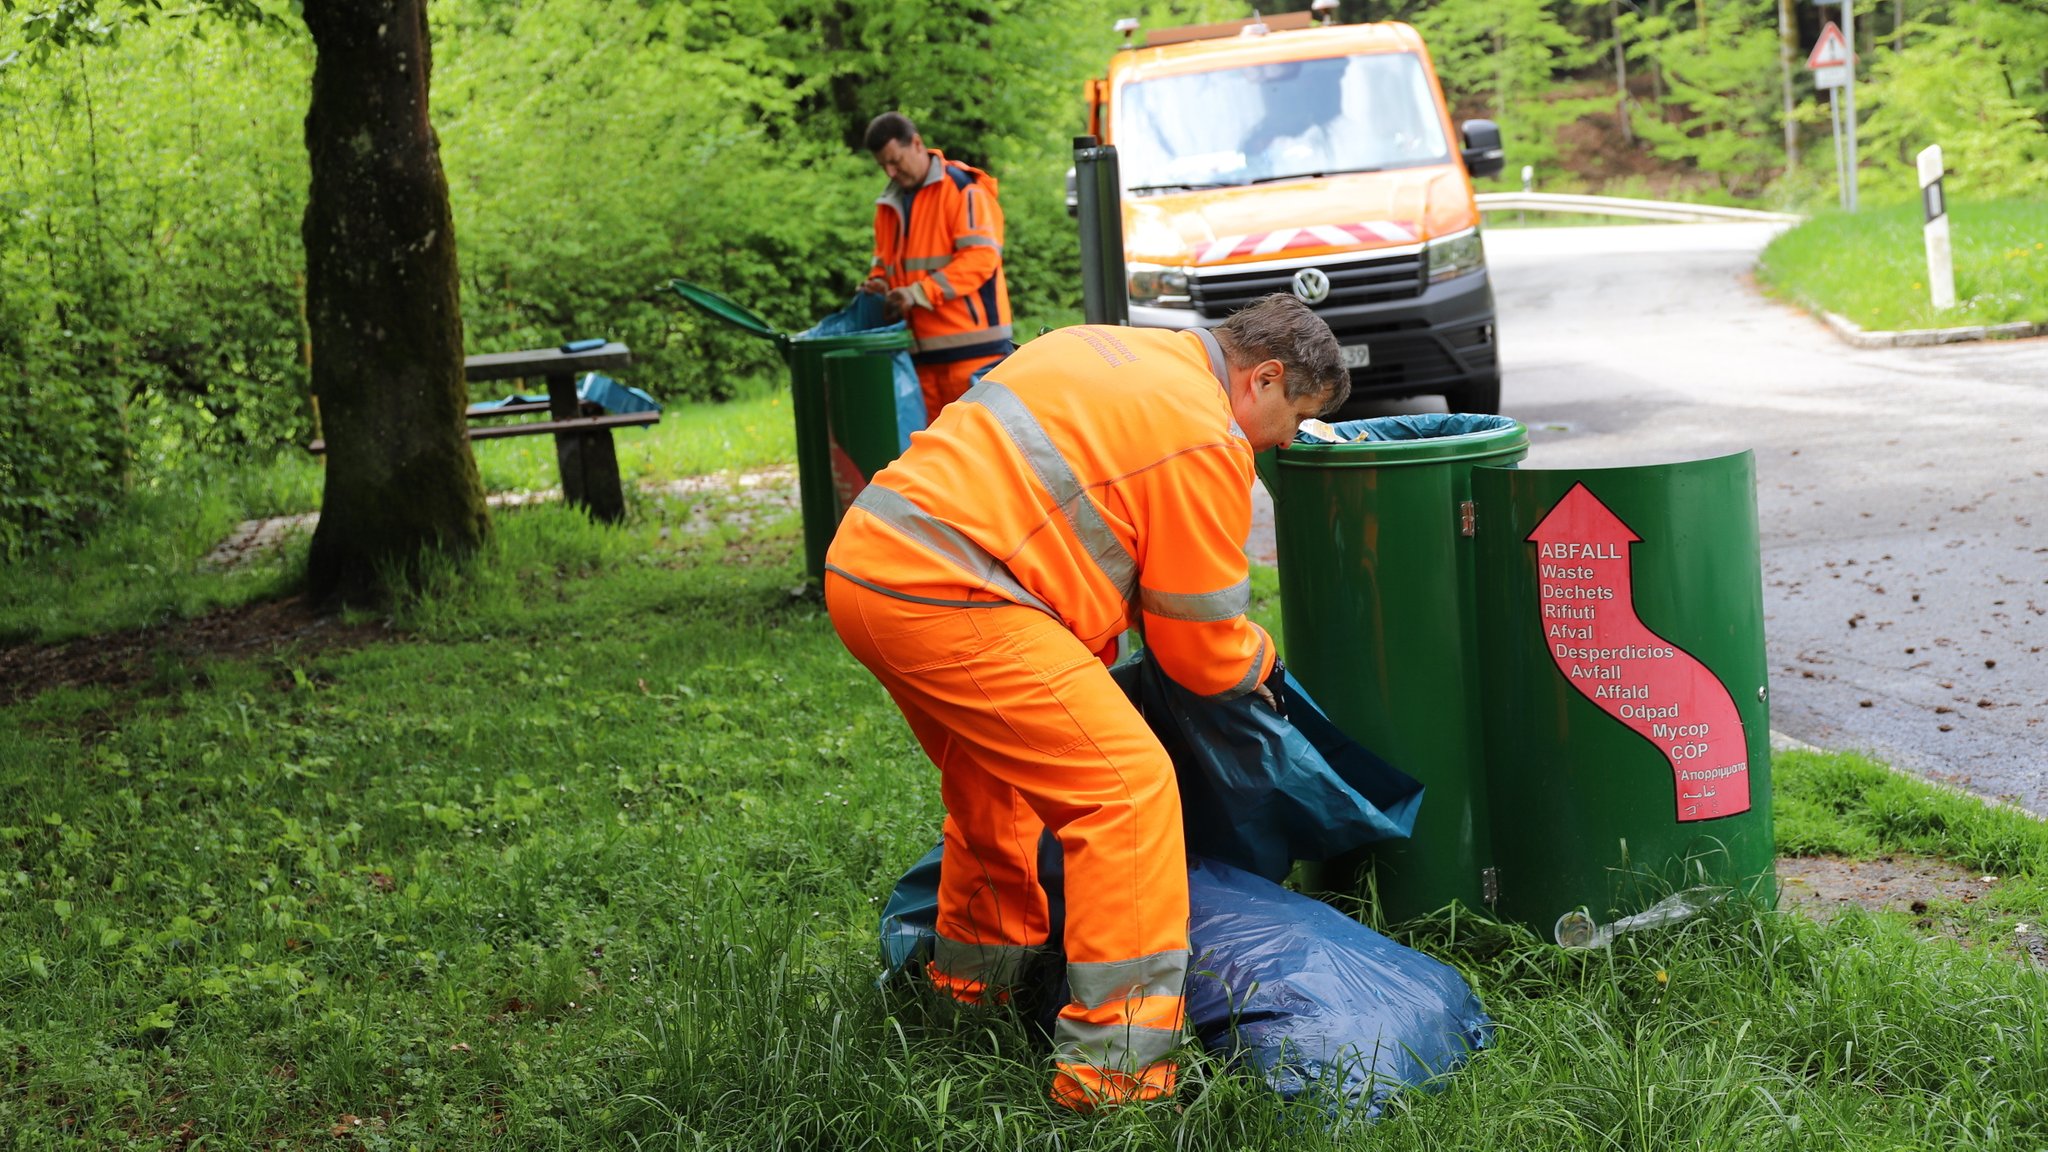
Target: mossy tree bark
(382, 307)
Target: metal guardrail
(1670, 210)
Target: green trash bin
(860, 419)
(1626, 692)
(1377, 587)
(816, 488)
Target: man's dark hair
(889, 126)
(1280, 327)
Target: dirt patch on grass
(1821, 886)
(124, 660)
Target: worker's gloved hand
(875, 286)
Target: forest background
(152, 183)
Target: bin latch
(1468, 518)
(1489, 886)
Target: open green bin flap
(724, 308)
(805, 353)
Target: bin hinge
(1489, 886)
(1468, 518)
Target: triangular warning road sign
(1832, 49)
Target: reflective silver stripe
(927, 263)
(976, 242)
(1052, 469)
(945, 286)
(991, 965)
(968, 195)
(1217, 363)
(1221, 368)
(895, 595)
(1122, 1047)
(1199, 607)
(961, 339)
(1125, 1048)
(1093, 984)
(1251, 675)
(945, 541)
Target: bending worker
(939, 259)
(1098, 479)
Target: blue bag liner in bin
(864, 314)
(1413, 426)
(1318, 1004)
(591, 388)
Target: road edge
(1858, 337)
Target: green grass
(589, 852)
(1872, 266)
(146, 567)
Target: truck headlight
(1158, 286)
(1456, 255)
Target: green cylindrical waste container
(805, 355)
(1375, 553)
(1626, 697)
(860, 419)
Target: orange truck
(1279, 154)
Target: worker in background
(939, 259)
(1097, 480)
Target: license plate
(1356, 355)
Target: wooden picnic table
(583, 439)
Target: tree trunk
(383, 307)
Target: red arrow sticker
(1614, 660)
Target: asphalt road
(1902, 493)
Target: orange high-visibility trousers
(944, 383)
(1029, 732)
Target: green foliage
(1973, 79)
(154, 176)
(1510, 54)
(1723, 76)
(151, 265)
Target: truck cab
(1275, 154)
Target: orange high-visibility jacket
(1096, 474)
(949, 247)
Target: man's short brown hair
(1280, 327)
(886, 127)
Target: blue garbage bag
(1315, 1003)
(612, 396)
(865, 314)
(592, 388)
(1413, 426)
(1260, 789)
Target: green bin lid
(725, 309)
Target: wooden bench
(582, 432)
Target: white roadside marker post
(1941, 270)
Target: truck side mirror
(1073, 195)
(1482, 153)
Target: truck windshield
(1278, 121)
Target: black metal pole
(1105, 294)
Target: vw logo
(1311, 286)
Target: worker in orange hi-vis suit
(939, 259)
(1098, 479)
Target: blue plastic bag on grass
(1259, 789)
(1317, 1004)
(865, 314)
